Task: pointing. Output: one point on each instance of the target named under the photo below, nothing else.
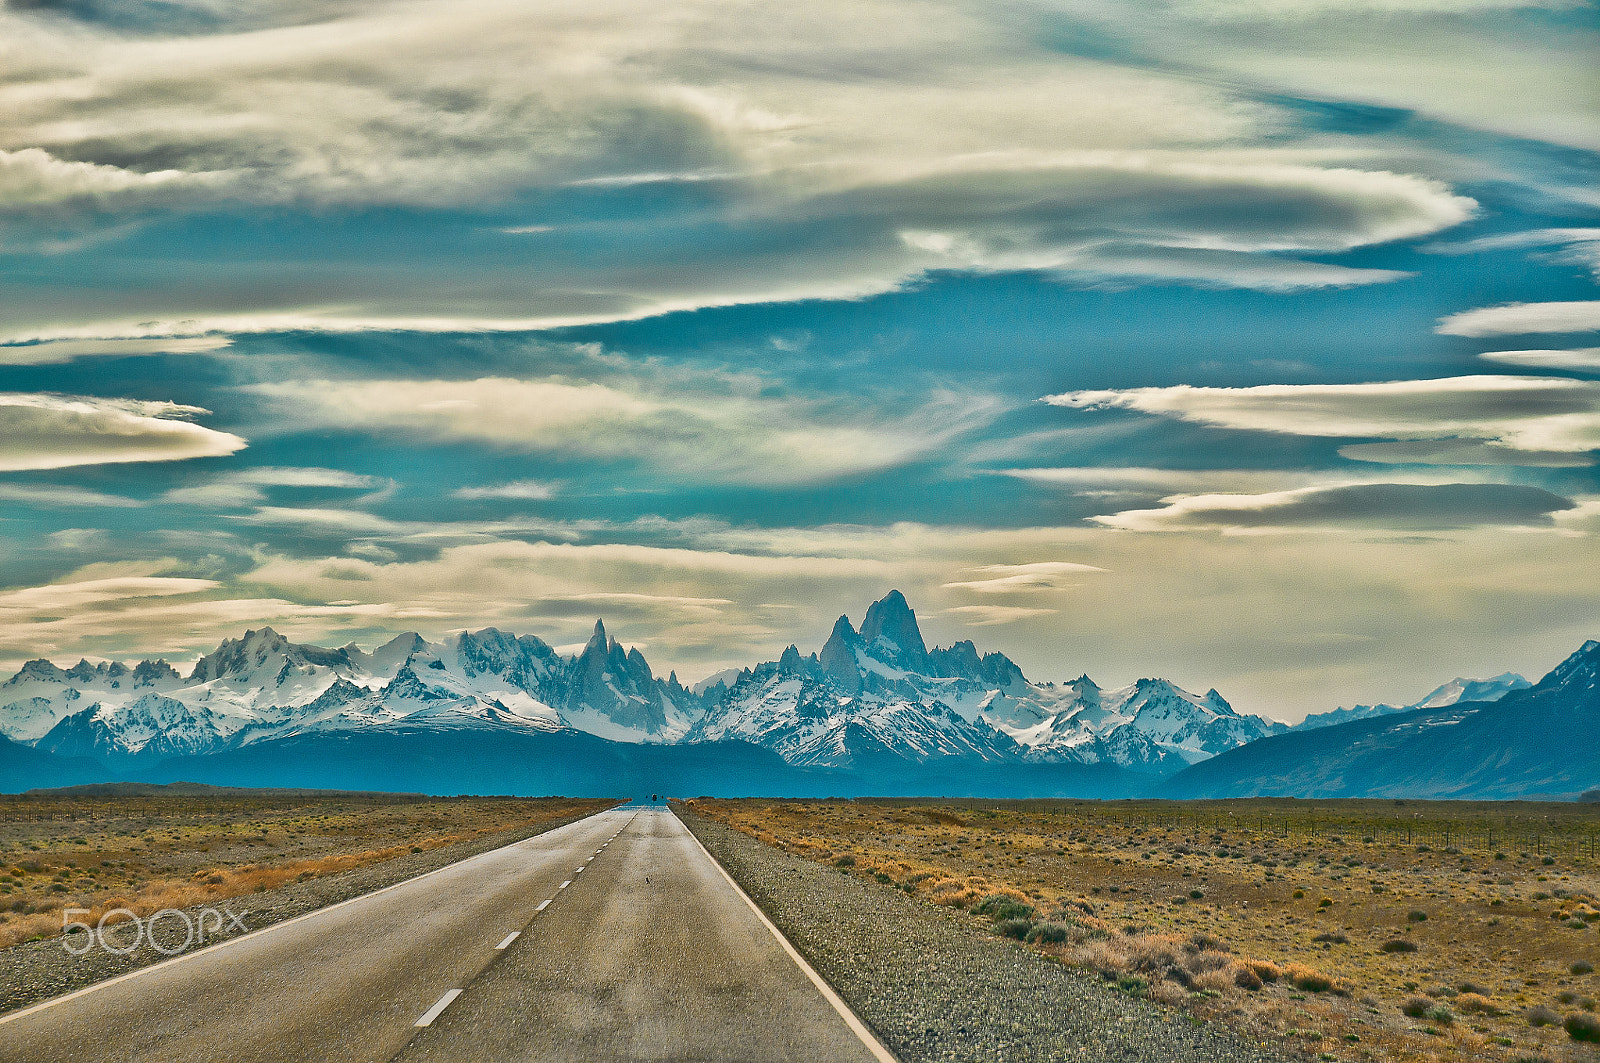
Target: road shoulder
(934, 989)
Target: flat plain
(1337, 930)
(152, 851)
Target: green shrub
(844, 861)
(1539, 1015)
(1049, 933)
(1417, 917)
(1133, 984)
(998, 906)
(1013, 928)
(1581, 967)
(1398, 945)
(1416, 1007)
(1581, 1027)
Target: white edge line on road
(857, 1027)
(543, 905)
(438, 1008)
(211, 950)
(509, 938)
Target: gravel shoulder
(936, 989)
(39, 970)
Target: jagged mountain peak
(240, 658)
(38, 669)
(148, 672)
(838, 656)
(890, 631)
(491, 651)
(844, 631)
(790, 661)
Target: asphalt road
(647, 953)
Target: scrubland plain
(147, 853)
(1339, 930)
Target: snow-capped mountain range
(263, 687)
(1442, 696)
(870, 695)
(881, 692)
(1525, 744)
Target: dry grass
(145, 854)
(1271, 916)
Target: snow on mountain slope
(153, 725)
(263, 671)
(1459, 690)
(40, 695)
(804, 715)
(1152, 725)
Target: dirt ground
(1342, 930)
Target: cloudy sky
(1252, 343)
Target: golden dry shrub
(1246, 978)
(1207, 960)
(1154, 952)
(1476, 1004)
(1265, 970)
(952, 893)
(1102, 955)
(1221, 979)
(1308, 978)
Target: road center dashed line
(509, 938)
(564, 885)
(438, 1008)
(543, 905)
